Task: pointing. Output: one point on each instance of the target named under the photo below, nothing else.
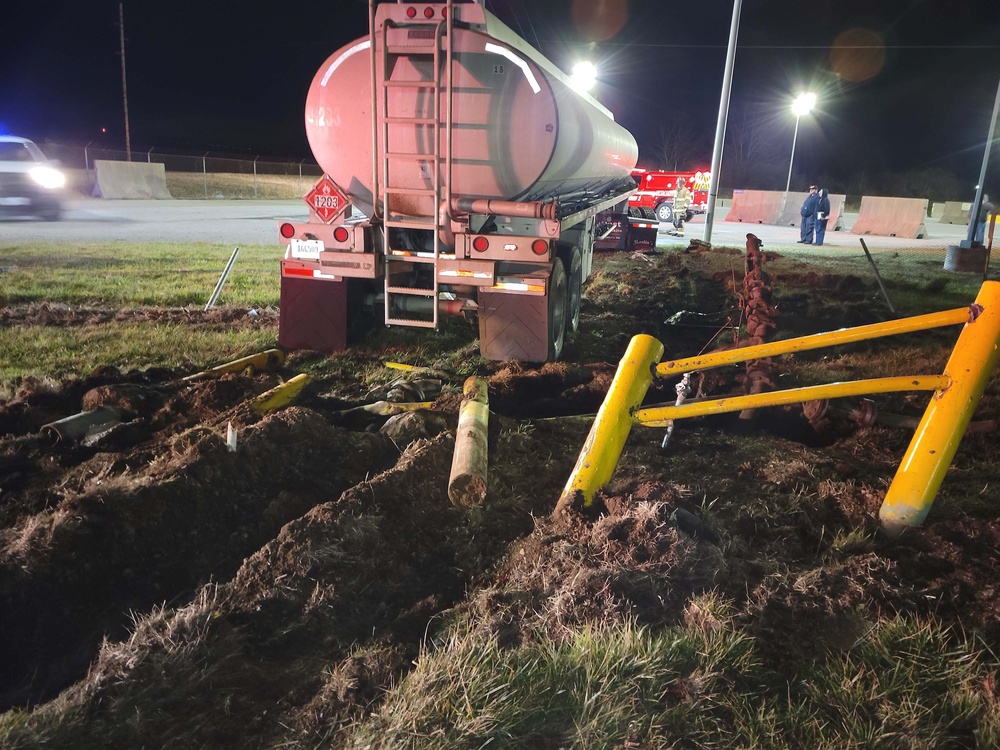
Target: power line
(781, 46)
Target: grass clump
(599, 687)
(614, 685)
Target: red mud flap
(513, 326)
(313, 315)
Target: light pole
(802, 105)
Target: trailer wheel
(557, 310)
(574, 292)
(665, 212)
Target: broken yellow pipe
(279, 396)
(266, 360)
(816, 341)
(389, 408)
(661, 416)
(940, 431)
(611, 428)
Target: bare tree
(752, 157)
(677, 146)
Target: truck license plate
(306, 249)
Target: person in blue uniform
(984, 214)
(808, 214)
(822, 214)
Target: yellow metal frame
(957, 392)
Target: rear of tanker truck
(462, 175)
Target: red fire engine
(656, 190)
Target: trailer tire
(665, 213)
(574, 291)
(557, 310)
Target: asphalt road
(227, 222)
(248, 222)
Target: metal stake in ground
(222, 279)
(878, 277)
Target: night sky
(903, 85)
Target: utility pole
(720, 126)
(121, 33)
(978, 202)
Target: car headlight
(48, 177)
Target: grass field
(54, 283)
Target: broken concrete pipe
(78, 427)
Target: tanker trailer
(462, 175)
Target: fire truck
(463, 175)
(656, 191)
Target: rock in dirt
(409, 426)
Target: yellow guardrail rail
(956, 393)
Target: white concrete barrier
(130, 179)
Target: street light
(802, 105)
(584, 76)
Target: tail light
(287, 230)
(480, 244)
(428, 12)
(411, 12)
(340, 234)
(539, 247)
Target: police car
(30, 185)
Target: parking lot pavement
(734, 234)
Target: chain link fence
(205, 175)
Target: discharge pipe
(526, 210)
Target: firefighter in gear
(682, 199)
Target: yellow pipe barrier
(661, 416)
(611, 428)
(265, 360)
(279, 396)
(816, 341)
(937, 437)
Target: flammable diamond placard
(326, 200)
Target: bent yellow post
(611, 428)
(279, 396)
(940, 431)
(266, 360)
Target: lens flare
(857, 55)
(599, 20)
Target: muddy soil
(284, 586)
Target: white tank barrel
(519, 131)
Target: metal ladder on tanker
(397, 258)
